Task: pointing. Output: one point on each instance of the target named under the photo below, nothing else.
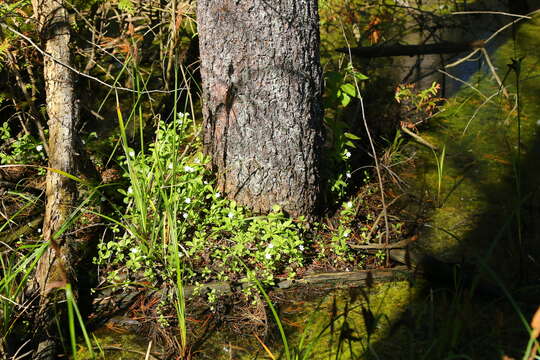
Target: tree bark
(262, 100)
(54, 269)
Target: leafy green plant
(340, 145)
(24, 149)
(418, 105)
(174, 216)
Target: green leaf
(126, 5)
(351, 136)
(360, 76)
(349, 89)
(345, 99)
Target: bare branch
(491, 12)
(44, 53)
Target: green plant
(339, 92)
(439, 161)
(24, 149)
(16, 269)
(380, 257)
(418, 105)
(71, 309)
(17, 264)
(178, 228)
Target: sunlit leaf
(349, 89)
(345, 99)
(351, 136)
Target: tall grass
(154, 221)
(17, 267)
(16, 271)
(71, 309)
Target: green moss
(482, 165)
(116, 345)
(363, 316)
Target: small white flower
(218, 194)
(39, 231)
(188, 169)
(346, 233)
(349, 204)
(170, 166)
(230, 215)
(347, 154)
(187, 201)
(301, 247)
(270, 246)
(268, 256)
(185, 215)
(197, 161)
(39, 147)
(131, 153)
(180, 115)
(134, 250)
(348, 175)
(205, 182)
(130, 190)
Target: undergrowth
(167, 187)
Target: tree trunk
(262, 100)
(54, 269)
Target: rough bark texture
(55, 267)
(262, 100)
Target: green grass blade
(71, 321)
(272, 309)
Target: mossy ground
(485, 174)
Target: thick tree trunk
(262, 100)
(55, 267)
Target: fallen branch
(413, 50)
(14, 235)
(108, 300)
(418, 138)
(397, 245)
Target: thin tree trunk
(262, 100)
(54, 269)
